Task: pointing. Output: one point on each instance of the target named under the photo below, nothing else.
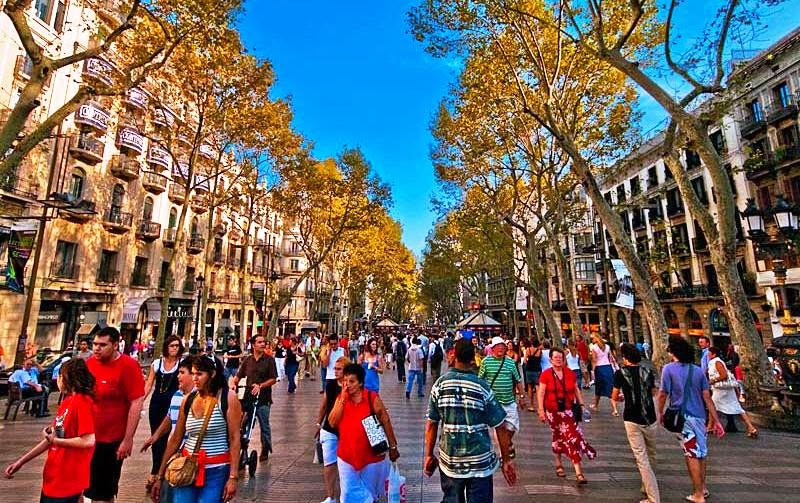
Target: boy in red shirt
(70, 440)
(117, 409)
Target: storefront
(141, 317)
(66, 316)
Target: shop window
(673, 325)
(694, 324)
(107, 272)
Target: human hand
(393, 454)
(12, 469)
(155, 490)
(719, 431)
(541, 415)
(255, 390)
(125, 448)
(230, 490)
(510, 472)
(48, 434)
(147, 444)
(429, 465)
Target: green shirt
(508, 375)
(465, 408)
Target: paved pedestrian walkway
(740, 469)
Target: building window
(162, 278)
(635, 188)
(582, 241)
(107, 273)
(64, 262)
(756, 113)
(43, 10)
(699, 186)
(194, 227)
(188, 280)
(295, 265)
(584, 270)
(718, 140)
(781, 96)
(173, 218)
(77, 180)
(140, 277)
(620, 194)
(147, 211)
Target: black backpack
(438, 354)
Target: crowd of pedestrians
(477, 403)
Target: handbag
(373, 427)
(674, 417)
(318, 456)
(729, 383)
(182, 470)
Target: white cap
(496, 340)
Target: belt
(204, 459)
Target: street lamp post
(199, 280)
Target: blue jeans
(262, 413)
(211, 492)
(414, 374)
(291, 373)
(472, 490)
(230, 372)
(578, 377)
(323, 372)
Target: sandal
(581, 479)
(752, 433)
(560, 471)
(615, 414)
(531, 409)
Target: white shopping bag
(396, 486)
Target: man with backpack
(262, 373)
(638, 384)
(437, 356)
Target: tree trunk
(568, 287)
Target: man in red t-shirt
(119, 394)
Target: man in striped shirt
(466, 407)
(504, 379)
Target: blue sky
(358, 79)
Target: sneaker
(591, 383)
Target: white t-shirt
(546, 359)
(334, 355)
(573, 361)
(600, 355)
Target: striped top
(466, 408)
(175, 408)
(216, 439)
(503, 386)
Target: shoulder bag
(675, 417)
(376, 434)
(182, 470)
(729, 383)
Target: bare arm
(81, 442)
(36, 451)
(335, 414)
(162, 430)
(722, 370)
(134, 414)
(429, 460)
(148, 385)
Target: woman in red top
(361, 472)
(556, 393)
(69, 441)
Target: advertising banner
(20, 245)
(625, 292)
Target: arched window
(117, 198)
(76, 183)
(193, 230)
(694, 324)
(173, 218)
(638, 330)
(622, 325)
(673, 325)
(718, 323)
(147, 210)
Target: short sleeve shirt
(258, 371)
(117, 384)
(234, 350)
(639, 407)
(507, 374)
(66, 471)
(556, 389)
(673, 377)
(465, 408)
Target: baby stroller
(247, 457)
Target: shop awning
(86, 329)
(478, 320)
(130, 311)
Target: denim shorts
(211, 492)
(532, 377)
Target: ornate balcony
(177, 193)
(117, 221)
(220, 229)
(98, 70)
(780, 111)
(137, 98)
(91, 114)
(87, 148)
(148, 231)
(682, 292)
(168, 238)
(199, 203)
(61, 271)
(752, 125)
(82, 212)
(155, 183)
(131, 138)
(196, 245)
(158, 157)
(125, 167)
(163, 117)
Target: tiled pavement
(740, 470)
